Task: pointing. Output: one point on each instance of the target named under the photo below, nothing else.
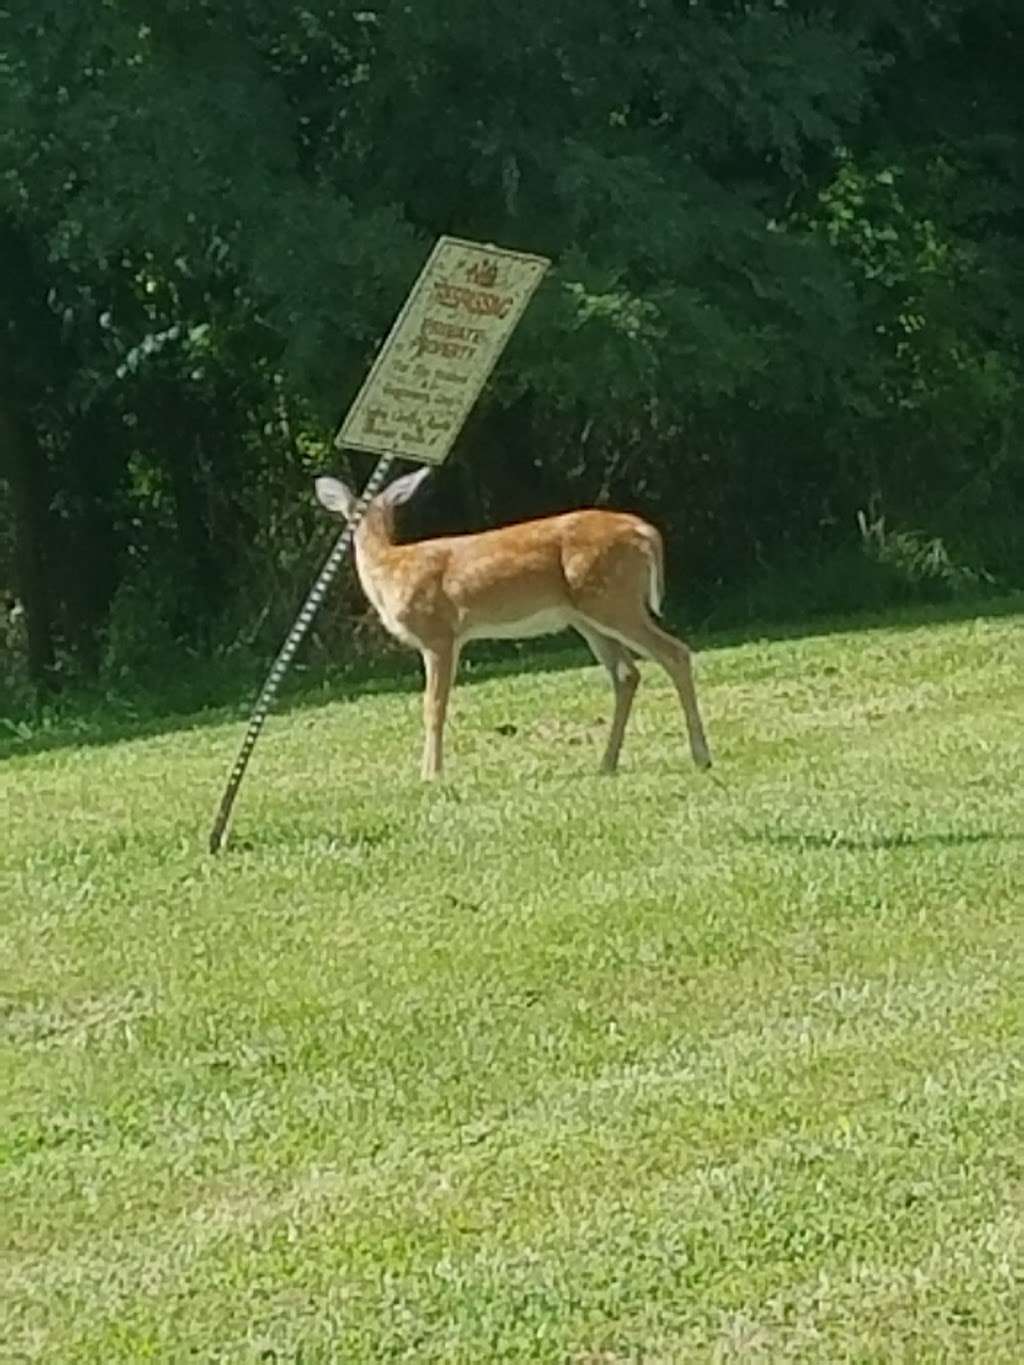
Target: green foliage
(15, 683)
(919, 560)
(787, 282)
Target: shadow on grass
(880, 842)
(225, 692)
(892, 618)
(217, 696)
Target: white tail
(602, 573)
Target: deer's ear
(335, 496)
(403, 489)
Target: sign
(441, 350)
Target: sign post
(428, 374)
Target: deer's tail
(656, 569)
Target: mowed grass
(532, 1065)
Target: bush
(16, 691)
(920, 563)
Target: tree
(788, 252)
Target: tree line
(789, 256)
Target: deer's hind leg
(637, 631)
(625, 678)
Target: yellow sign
(441, 350)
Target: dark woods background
(789, 289)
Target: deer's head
(379, 517)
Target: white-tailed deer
(602, 573)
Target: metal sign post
(437, 357)
(274, 679)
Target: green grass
(531, 1066)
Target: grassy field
(534, 1065)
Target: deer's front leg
(439, 666)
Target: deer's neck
(375, 535)
(380, 569)
(376, 550)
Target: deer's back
(529, 578)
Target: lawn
(532, 1065)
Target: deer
(600, 572)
